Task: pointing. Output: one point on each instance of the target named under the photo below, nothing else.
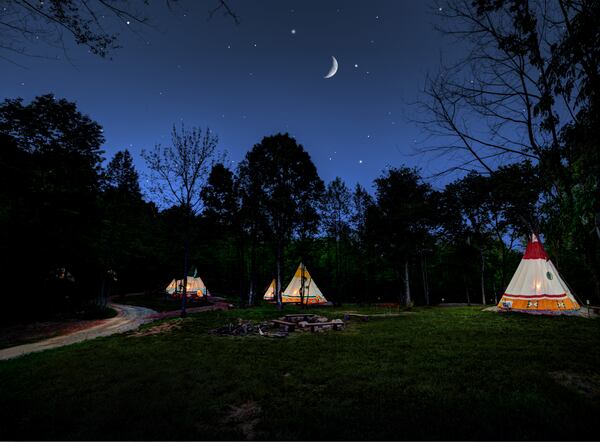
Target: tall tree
(362, 205)
(403, 219)
(527, 89)
(336, 215)
(122, 176)
(281, 179)
(127, 222)
(222, 207)
(51, 163)
(179, 174)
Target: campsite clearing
(439, 373)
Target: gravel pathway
(128, 318)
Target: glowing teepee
(195, 286)
(536, 286)
(270, 293)
(293, 292)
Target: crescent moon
(334, 68)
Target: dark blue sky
(259, 78)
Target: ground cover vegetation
(435, 373)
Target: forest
(77, 227)
(65, 209)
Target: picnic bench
(594, 308)
(287, 325)
(298, 317)
(315, 325)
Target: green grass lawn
(439, 373)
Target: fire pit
(279, 328)
(248, 328)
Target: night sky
(257, 78)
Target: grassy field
(439, 373)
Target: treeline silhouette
(74, 231)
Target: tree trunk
(407, 299)
(186, 251)
(425, 281)
(241, 269)
(503, 267)
(467, 289)
(482, 277)
(302, 282)
(252, 276)
(185, 276)
(278, 280)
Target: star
(128, 22)
(293, 31)
(355, 65)
(360, 161)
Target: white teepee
(311, 295)
(195, 286)
(270, 293)
(537, 287)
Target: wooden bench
(314, 325)
(289, 326)
(298, 317)
(364, 318)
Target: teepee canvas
(270, 293)
(536, 286)
(311, 295)
(195, 286)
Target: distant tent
(270, 293)
(195, 286)
(536, 286)
(311, 295)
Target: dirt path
(128, 318)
